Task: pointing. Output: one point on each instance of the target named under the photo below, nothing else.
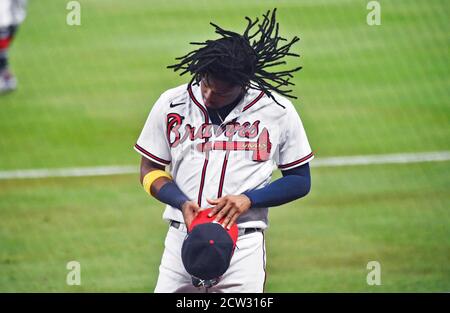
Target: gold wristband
(150, 178)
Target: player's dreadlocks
(243, 59)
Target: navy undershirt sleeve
(294, 184)
(172, 195)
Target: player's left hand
(229, 207)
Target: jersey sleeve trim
(151, 156)
(298, 162)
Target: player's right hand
(190, 210)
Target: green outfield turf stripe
(318, 162)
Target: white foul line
(69, 172)
(319, 162)
(382, 159)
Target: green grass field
(85, 92)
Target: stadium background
(85, 92)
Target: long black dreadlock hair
(243, 59)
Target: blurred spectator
(12, 14)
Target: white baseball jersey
(208, 161)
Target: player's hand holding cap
(207, 249)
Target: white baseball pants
(246, 273)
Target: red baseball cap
(203, 218)
(208, 247)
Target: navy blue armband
(294, 184)
(171, 194)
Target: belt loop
(178, 225)
(246, 231)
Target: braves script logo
(260, 147)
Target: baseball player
(213, 144)
(12, 14)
